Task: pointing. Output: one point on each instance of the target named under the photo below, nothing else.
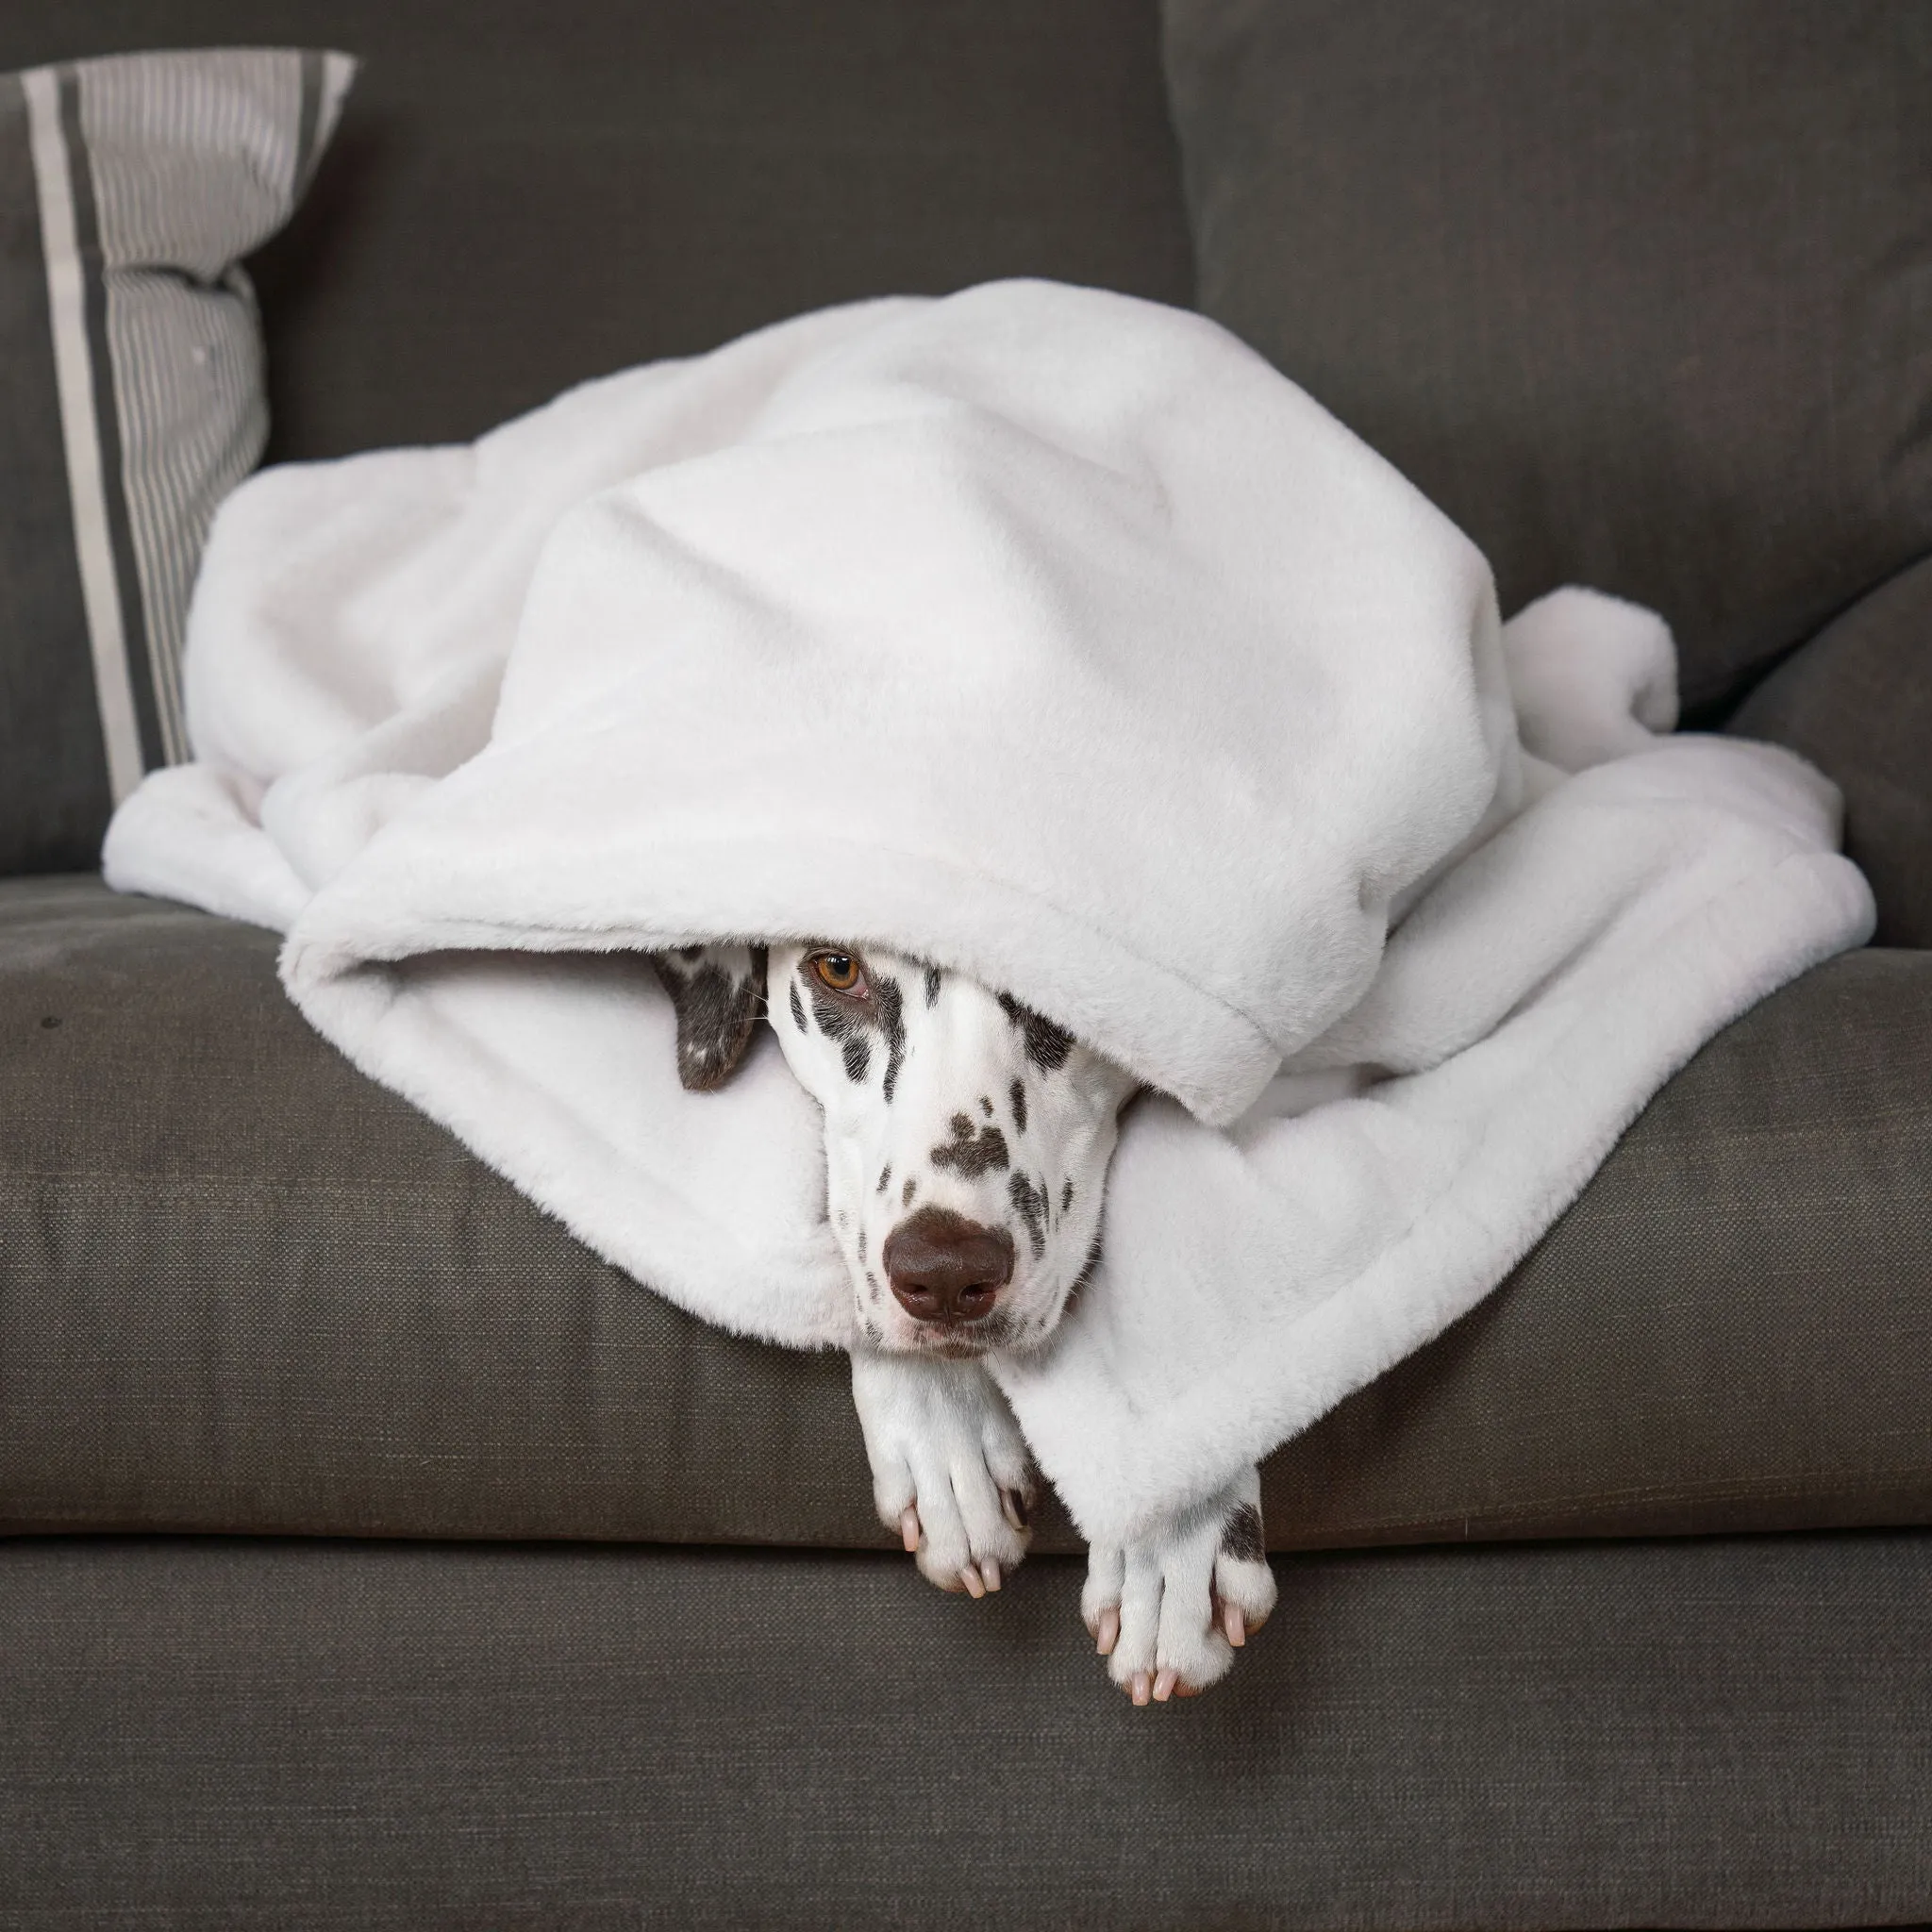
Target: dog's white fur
(935, 1092)
(1167, 1610)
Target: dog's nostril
(944, 1268)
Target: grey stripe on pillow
(76, 305)
(52, 767)
(153, 173)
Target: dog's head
(966, 1139)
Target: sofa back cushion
(1641, 294)
(522, 196)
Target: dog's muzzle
(947, 1270)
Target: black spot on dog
(1047, 1046)
(1017, 1094)
(1029, 1203)
(986, 1106)
(891, 1006)
(861, 1244)
(885, 1178)
(1066, 1196)
(932, 986)
(871, 1286)
(907, 1193)
(872, 1331)
(847, 1027)
(797, 1008)
(1240, 1536)
(973, 1150)
(716, 1008)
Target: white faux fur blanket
(1053, 637)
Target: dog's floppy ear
(717, 994)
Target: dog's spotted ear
(717, 994)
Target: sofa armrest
(1857, 700)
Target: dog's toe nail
(1109, 1631)
(991, 1572)
(1013, 1507)
(1236, 1626)
(1144, 1687)
(970, 1577)
(908, 1529)
(1164, 1683)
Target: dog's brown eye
(837, 972)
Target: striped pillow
(131, 397)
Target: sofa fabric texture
(246, 1290)
(1725, 1732)
(1857, 700)
(1642, 295)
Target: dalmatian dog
(967, 1144)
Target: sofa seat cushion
(244, 1288)
(341, 1736)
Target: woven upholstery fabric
(1857, 700)
(1641, 294)
(1730, 1329)
(1725, 1733)
(242, 1288)
(522, 196)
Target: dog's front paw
(949, 1467)
(1170, 1612)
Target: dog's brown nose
(946, 1269)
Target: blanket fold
(1053, 637)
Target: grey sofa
(377, 1556)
